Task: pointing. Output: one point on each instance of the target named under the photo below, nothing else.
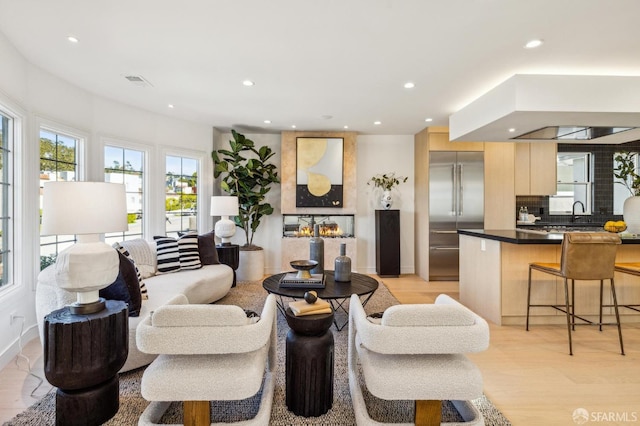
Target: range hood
(577, 133)
(566, 108)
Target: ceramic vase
(342, 265)
(631, 213)
(316, 250)
(386, 200)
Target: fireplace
(331, 226)
(334, 230)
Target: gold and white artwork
(319, 172)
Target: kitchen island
(494, 266)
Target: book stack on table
(301, 307)
(291, 280)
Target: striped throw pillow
(188, 251)
(168, 254)
(125, 253)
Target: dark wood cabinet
(388, 243)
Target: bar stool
(631, 268)
(585, 256)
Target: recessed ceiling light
(346, 127)
(377, 123)
(293, 126)
(72, 39)
(170, 106)
(248, 83)
(511, 130)
(267, 121)
(409, 85)
(532, 44)
(428, 120)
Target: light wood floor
(529, 376)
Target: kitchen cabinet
(499, 197)
(535, 168)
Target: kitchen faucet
(575, 217)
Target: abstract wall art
(319, 169)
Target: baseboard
(14, 348)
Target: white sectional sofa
(203, 285)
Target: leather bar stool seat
(585, 256)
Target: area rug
(250, 295)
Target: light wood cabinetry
(494, 275)
(535, 168)
(499, 196)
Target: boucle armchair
(416, 352)
(207, 353)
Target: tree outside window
(58, 162)
(126, 166)
(181, 194)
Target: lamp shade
(70, 208)
(224, 205)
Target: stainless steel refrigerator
(456, 201)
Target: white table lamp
(224, 206)
(86, 209)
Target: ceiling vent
(138, 80)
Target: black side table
(82, 356)
(309, 364)
(229, 254)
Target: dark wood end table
(82, 356)
(229, 254)
(309, 364)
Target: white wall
(44, 98)
(375, 154)
(384, 154)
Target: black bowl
(303, 265)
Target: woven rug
(250, 295)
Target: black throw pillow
(207, 249)
(126, 287)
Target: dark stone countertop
(523, 236)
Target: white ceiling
(344, 59)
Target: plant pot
(251, 265)
(631, 213)
(386, 200)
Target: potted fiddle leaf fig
(625, 171)
(246, 173)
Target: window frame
(81, 165)
(21, 257)
(588, 184)
(199, 157)
(7, 223)
(146, 178)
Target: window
(58, 162)
(122, 165)
(6, 196)
(620, 192)
(574, 187)
(181, 200)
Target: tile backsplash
(602, 185)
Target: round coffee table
(336, 293)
